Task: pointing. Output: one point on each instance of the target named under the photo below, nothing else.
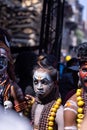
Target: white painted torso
(59, 117)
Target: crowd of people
(40, 99)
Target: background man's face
(83, 74)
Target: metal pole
(42, 26)
(59, 28)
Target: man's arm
(70, 114)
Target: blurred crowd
(39, 93)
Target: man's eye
(44, 82)
(84, 70)
(35, 82)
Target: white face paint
(42, 82)
(3, 53)
(39, 75)
(3, 62)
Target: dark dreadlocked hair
(49, 62)
(82, 52)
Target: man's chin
(40, 94)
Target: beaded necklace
(52, 114)
(80, 103)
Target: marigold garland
(80, 103)
(52, 114)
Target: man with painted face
(75, 110)
(46, 112)
(11, 96)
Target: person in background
(61, 65)
(69, 80)
(75, 109)
(11, 96)
(25, 62)
(46, 112)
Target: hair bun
(41, 57)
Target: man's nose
(39, 85)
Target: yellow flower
(78, 93)
(56, 106)
(51, 118)
(80, 103)
(80, 116)
(79, 120)
(79, 90)
(78, 125)
(50, 128)
(53, 109)
(51, 123)
(79, 98)
(53, 114)
(59, 100)
(80, 110)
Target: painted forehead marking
(41, 75)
